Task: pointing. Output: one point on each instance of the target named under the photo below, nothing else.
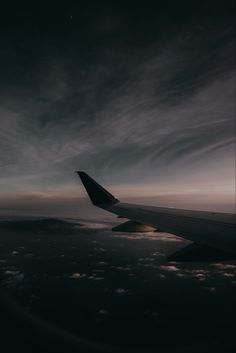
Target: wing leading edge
(213, 233)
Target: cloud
(157, 236)
(94, 277)
(146, 259)
(229, 275)
(103, 263)
(181, 275)
(161, 275)
(123, 268)
(77, 275)
(103, 312)
(14, 277)
(96, 226)
(121, 291)
(211, 289)
(200, 276)
(169, 268)
(99, 249)
(224, 266)
(162, 114)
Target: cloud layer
(158, 109)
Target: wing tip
(98, 195)
(80, 172)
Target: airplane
(212, 234)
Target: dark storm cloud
(115, 91)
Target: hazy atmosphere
(142, 98)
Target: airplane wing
(212, 234)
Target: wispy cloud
(167, 114)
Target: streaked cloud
(162, 115)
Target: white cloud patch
(224, 266)
(94, 277)
(228, 275)
(181, 275)
(169, 268)
(96, 226)
(161, 275)
(13, 278)
(200, 276)
(77, 275)
(159, 237)
(15, 252)
(121, 291)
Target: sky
(140, 97)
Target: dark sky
(139, 95)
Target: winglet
(98, 195)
